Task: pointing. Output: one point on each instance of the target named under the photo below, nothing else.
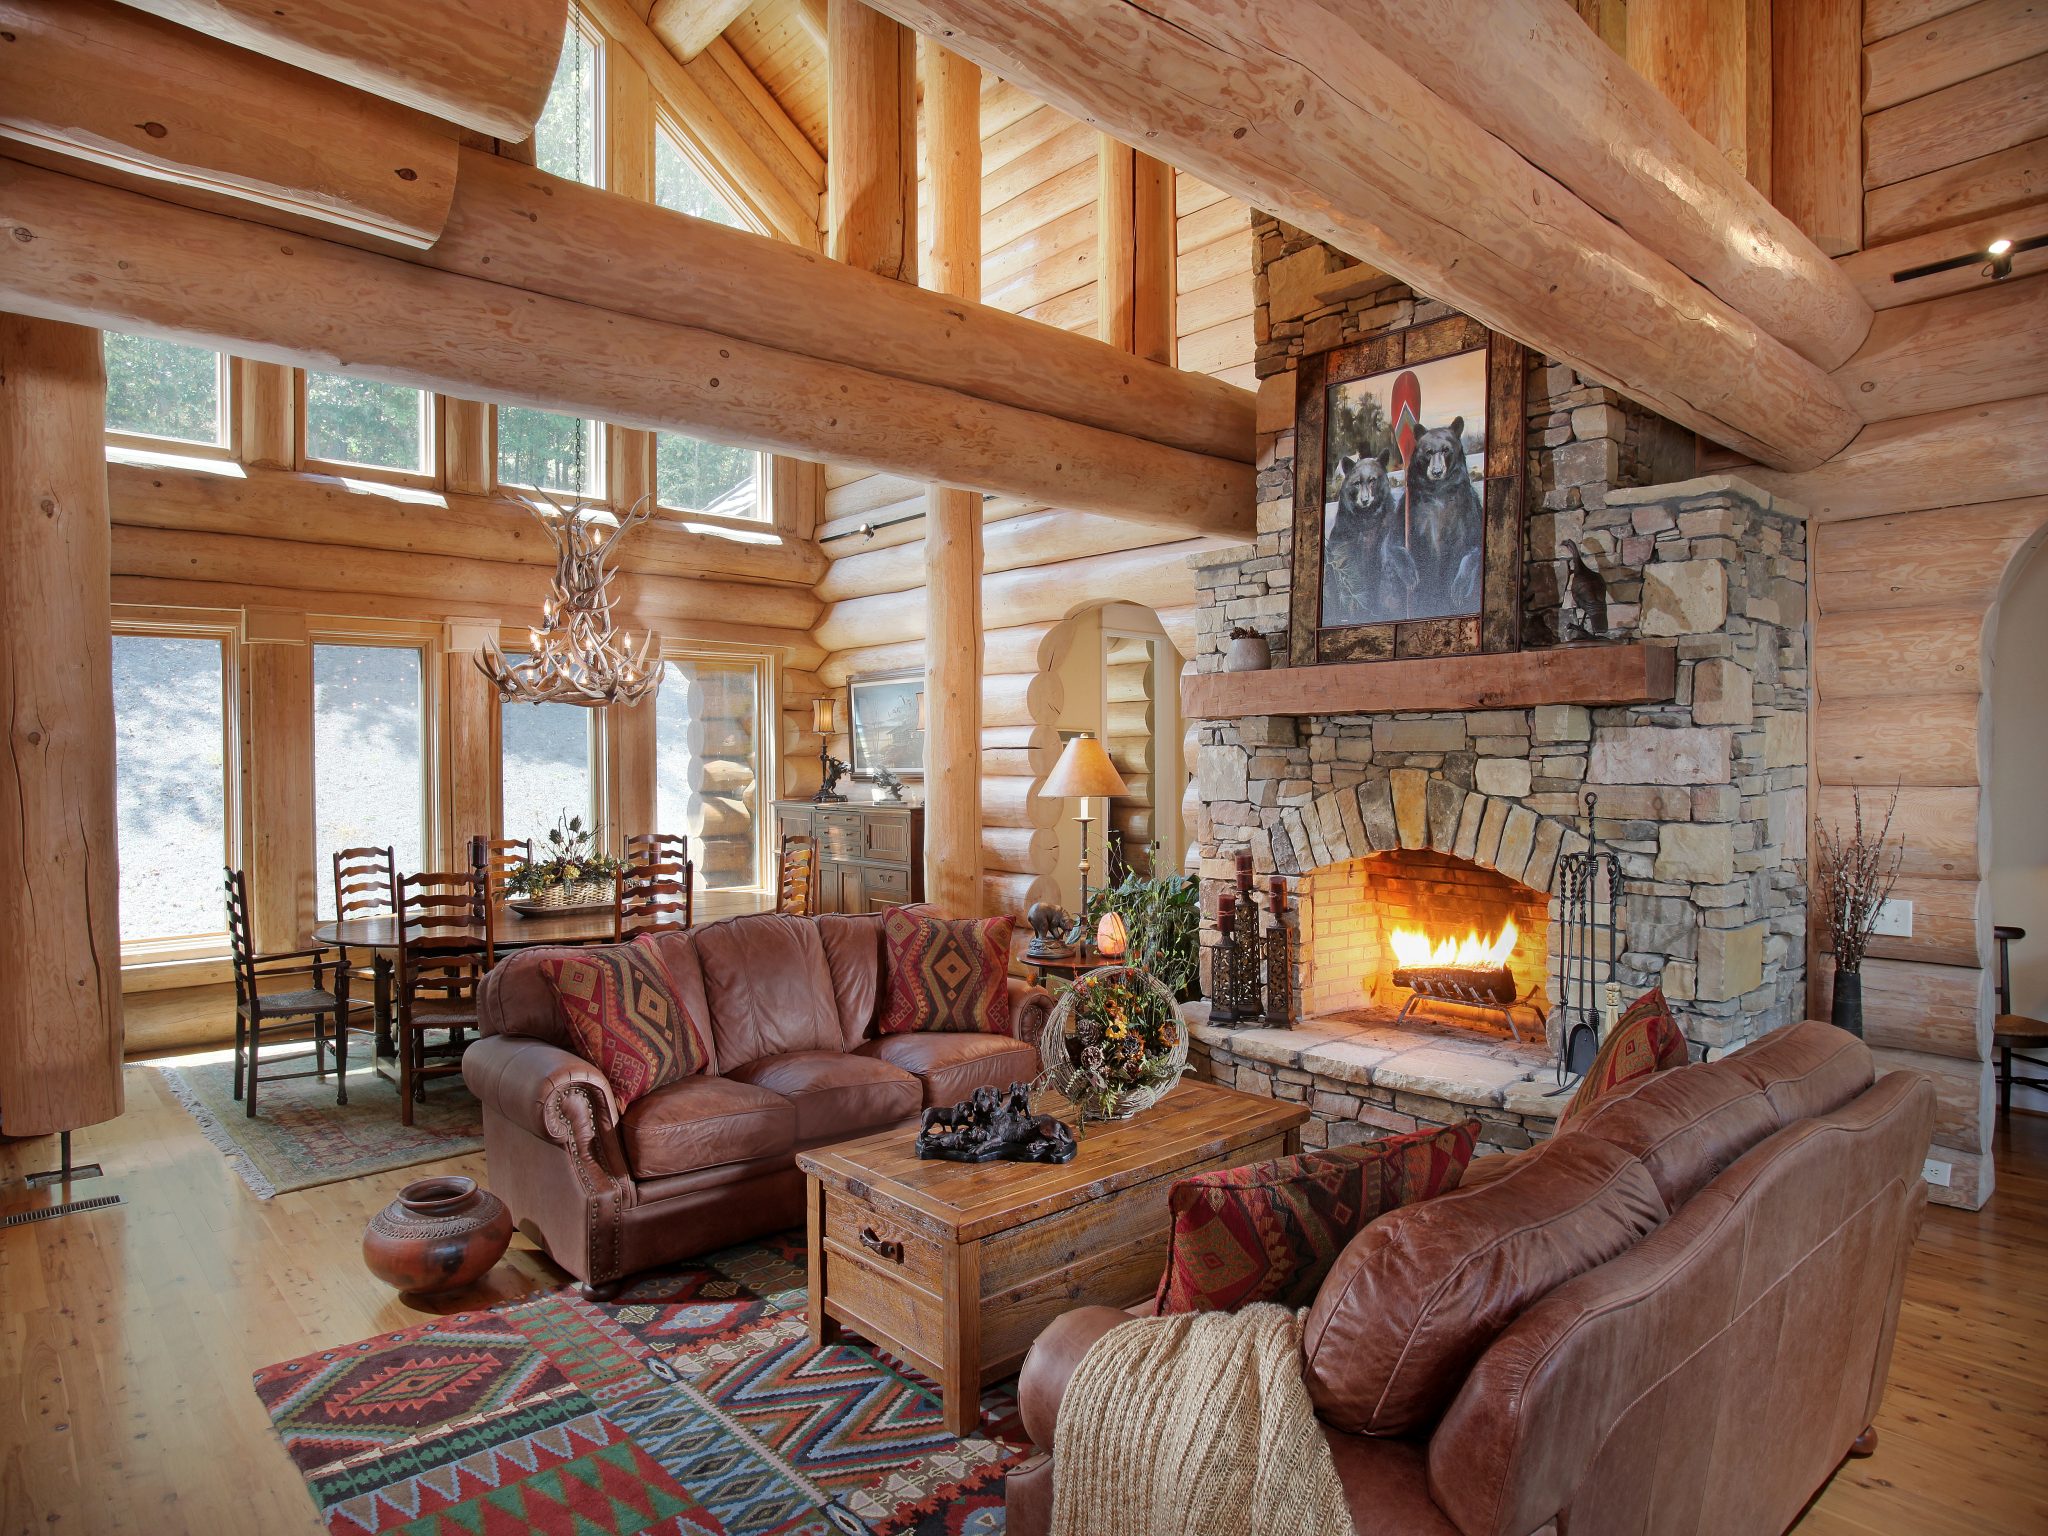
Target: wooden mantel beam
(109, 257)
(1288, 106)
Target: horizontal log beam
(1604, 674)
(1938, 830)
(1990, 343)
(1958, 556)
(108, 84)
(486, 64)
(1238, 92)
(1579, 112)
(1974, 453)
(107, 257)
(1881, 652)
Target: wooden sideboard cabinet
(869, 856)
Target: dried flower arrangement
(1114, 1043)
(1853, 875)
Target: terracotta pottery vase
(1248, 653)
(439, 1235)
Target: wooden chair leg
(341, 1056)
(255, 1054)
(1866, 1443)
(2005, 1080)
(241, 1039)
(407, 1039)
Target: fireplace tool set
(1236, 993)
(1589, 896)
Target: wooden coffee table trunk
(960, 1266)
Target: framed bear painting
(1409, 490)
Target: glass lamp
(1083, 772)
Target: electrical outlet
(1894, 919)
(1936, 1173)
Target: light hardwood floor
(128, 1335)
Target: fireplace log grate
(1488, 989)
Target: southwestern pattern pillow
(625, 1016)
(945, 973)
(1646, 1039)
(1271, 1231)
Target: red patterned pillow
(1646, 1039)
(625, 1016)
(945, 973)
(1271, 1231)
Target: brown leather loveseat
(787, 1005)
(1703, 1380)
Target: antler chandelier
(577, 656)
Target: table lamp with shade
(825, 720)
(1083, 772)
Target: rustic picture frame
(877, 735)
(1495, 625)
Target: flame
(1413, 949)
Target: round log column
(952, 536)
(871, 124)
(60, 988)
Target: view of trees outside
(369, 789)
(565, 140)
(707, 765)
(170, 769)
(362, 421)
(678, 184)
(556, 453)
(163, 389)
(546, 765)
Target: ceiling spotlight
(1996, 259)
(2000, 252)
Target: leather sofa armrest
(525, 1079)
(1029, 1006)
(1051, 1365)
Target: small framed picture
(885, 724)
(1408, 496)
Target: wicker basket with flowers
(1114, 1043)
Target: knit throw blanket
(1195, 1425)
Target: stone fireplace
(1460, 819)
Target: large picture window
(166, 389)
(563, 454)
(369, 756)
(172, 791)
(708, 757)
(548, 765)
(362, 423)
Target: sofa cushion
(1685, 1127)
(945, 973)
(952, 1066)
(624, 1016)
(836, 1095)
(1805, 1069)
(703, 1122)
(1422, 1292)
(853, 954)
(1270, 1231)
(1645, 1039)
(769, 987)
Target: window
(171, 789)
(707, 769)
(549, 753)
(362, 423)
(566, 139)
(369, 756)
(678, 184)
(166, 389)
(554, 453)
(691, 475)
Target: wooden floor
(128, 1335)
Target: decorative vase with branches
(1853, 876)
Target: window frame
(600, 45)
(393, 634)
(432, 452)
(767, 743)
(228, 449)
(599, 809)
(600, 457)
(225, 628)
(763, 521)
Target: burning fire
(1414, 950)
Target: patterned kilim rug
(300, 1137)
(693, 1404)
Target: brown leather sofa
(788, 1006)
(1705, 1380)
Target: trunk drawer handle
(874, 1242)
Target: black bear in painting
(1436, 558)
(1353, 553)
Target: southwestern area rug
(300, 1137)
(692, 1406)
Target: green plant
(568, 854)
(1163, 919)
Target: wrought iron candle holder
(1247, 997)
(1221, 987)
(1279, 947)
(1586, 938)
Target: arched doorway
(2017, 722)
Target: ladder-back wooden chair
(366, 885)
(653, 892)
(796, 875)
(2015, 1036)
(443, 953)
(297, 1016)
(493, 861)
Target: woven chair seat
(311, 1000)
(444, 1013)
(2016, 1029)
